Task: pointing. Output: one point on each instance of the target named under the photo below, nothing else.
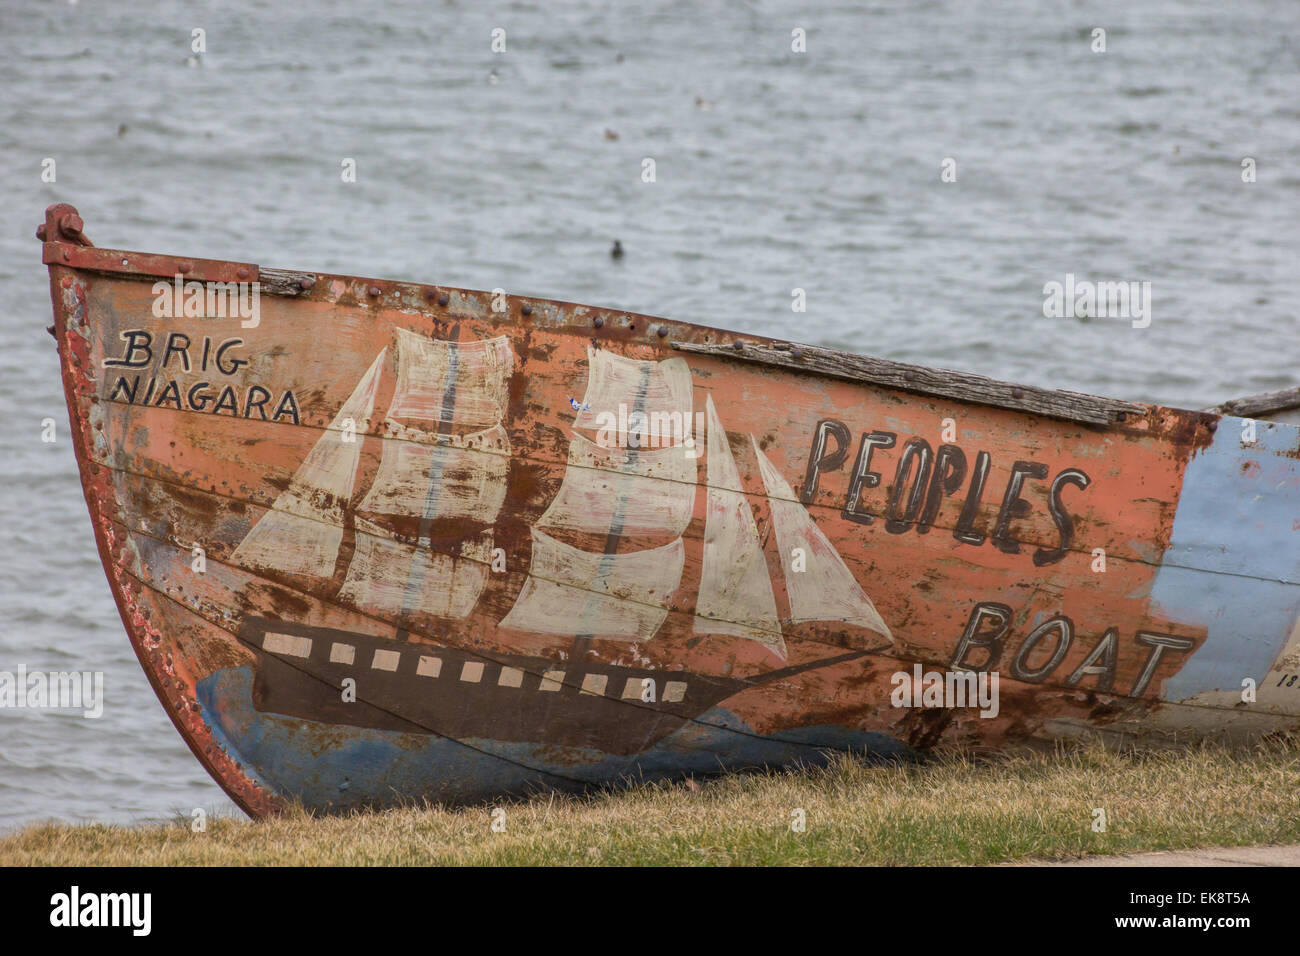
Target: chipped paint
(523, 606)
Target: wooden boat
(376, 541)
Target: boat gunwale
(934, 382)
(72, 261)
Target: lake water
(774, 171)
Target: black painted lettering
(138, 341)
(198, 396)
(226, 402)
(263, 396)
(1013, 506)
(965, 531)
(183, 350)
(1064, 629)
(1105, 651)
(820, 460)
(999, 616)
(1064, 524)
(1158, 644)
(172, 393)
(863, 476)
(288, 406)
(949, 473)
(896, 520)
(127, 390)
(231, 366)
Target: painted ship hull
(379, 541)
(426, 690)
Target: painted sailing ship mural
(655, 610)
(444, 463)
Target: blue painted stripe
(1233, 547)
(362, 766)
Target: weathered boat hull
(563, 614)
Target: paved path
(1213, 856)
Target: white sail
(450, 476)
(660, 391)
(614, 491)
(390, 578)
(645, 493)
(735, 594)
(435, 475)
(463, 383)
(616, 596)
(826, 590)
(302, 532)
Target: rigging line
(380, 707)
(832, 510)
(437, 461)
(264, 576)
(582, 639)
(754, 680)
(1107, 696)
(1168, 560)
(578, 781)
(750, 682)
(760, 679)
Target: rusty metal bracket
(63, 224)
(66, 244)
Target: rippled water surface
(774, 171)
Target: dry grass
(951, 810)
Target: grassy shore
(950, 810)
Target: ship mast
(446, 457)
(613, 492)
